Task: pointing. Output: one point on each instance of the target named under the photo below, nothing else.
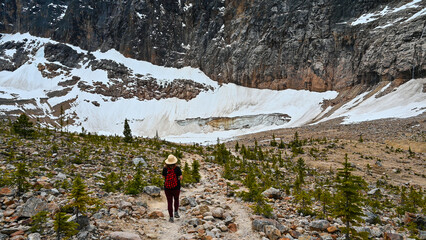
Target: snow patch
(370, 17)
(10, 52)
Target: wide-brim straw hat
(171, 160)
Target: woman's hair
(170, 165)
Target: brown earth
(385, 147)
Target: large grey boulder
(259, 224)
(319, 225)
(33, 206)
(140, 161)
(152, 191)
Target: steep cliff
(316, 45)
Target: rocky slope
(315, 45)
(211, 209)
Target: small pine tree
(127, 132)
(79, 196)
(195, 173)
(63, 227)
(186, 174)
(281, 145)
(304, 199)
(348, 199)
(136, 185)
(20, 176)
(273, 141)
(237, 147)
(37, 222)
(23, 127)
(300, 170)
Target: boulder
(259, 224)
(272, 232)
(319, 225)
(155, 215)
(218, 212)
(7, 191)
(34, 236)
(232, 227)
(152, 191)
(124, 236)
(393, 236)
(188, 201)
(203, 209)
(371, 218)
(32, 207)
(374, 191)
(272, 193)
(139, 160)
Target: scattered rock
(32, 207)
(218, 212)
(7, 191)
(155, 215)
(272, 193)
(374, 191)
(393, 236)
(124, 236)
(188, 201)
(319, 225)
(232, 227)
(272, 232)
(139, 160)
(153, 191)
(332, 229)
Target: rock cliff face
(316, 45)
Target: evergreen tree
(348, 199)
(127, 132)
(273, 142)
(186, 174)
(136, 185)
(23, 127)
(79, 196)
(63, 227)
(195, 174)
(21, 174)
(61, 118)
(300, 170)
(37, 222)
(281, 145)
(304, 199)
(237, 147)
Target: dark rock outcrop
(311, 45)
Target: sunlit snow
(221, 101)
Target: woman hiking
(172, 176)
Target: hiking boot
(177, 215)
(171, 219)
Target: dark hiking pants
(172, 195)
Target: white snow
(417, 14)
(227, 100)
(407, 100)
(10, 52)
(370, 17)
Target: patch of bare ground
(380, 149)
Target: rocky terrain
(314, 45)
(389, 159)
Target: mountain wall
(301, 44)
